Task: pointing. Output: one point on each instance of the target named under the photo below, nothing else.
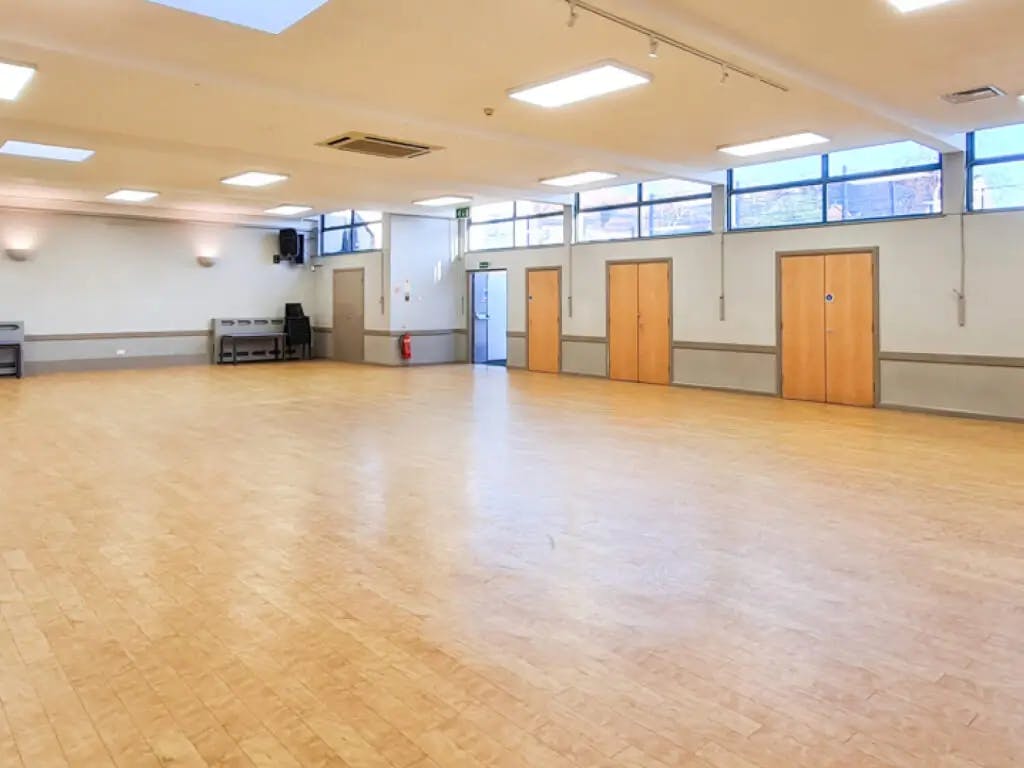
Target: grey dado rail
(248, 349)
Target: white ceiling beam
(298, 95)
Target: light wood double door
(828, 328)
(640, 322)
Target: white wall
(423, 255)
(107, 275)
(919, 270)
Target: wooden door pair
(640, 322)
(828, 328)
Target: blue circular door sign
(829, 298)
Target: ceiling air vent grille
(377, 146)
(972, 95)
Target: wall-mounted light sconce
(20, 254)
(207, 257)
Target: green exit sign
(462, 213)
(485, 265)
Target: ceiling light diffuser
(774, 145)
(254, 179)
(288, 210)
(579, 179)
(273, 16)
(131, 196)
(908, 6)
(45, 151)
(13, 78)
(440, 202)
(595, 81)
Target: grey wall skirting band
(317, 329)
(585, 339)
(400, 334)
(757, 349)
(939, 359)
(109, 336)
(516, 334)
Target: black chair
(299, 330)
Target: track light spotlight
(653, 53)
(573, 14)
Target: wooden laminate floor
(322, 565)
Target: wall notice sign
(462, 213)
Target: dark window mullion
(824, 189)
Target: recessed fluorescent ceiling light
(579, 179)
(596, 81)
(774, 145)
(908, 6)
(440, 202)
(273, 16)
(14, 77)
(254, 179)
(288, 210)
(131, 196)
(45, 151)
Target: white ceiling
(175, 102)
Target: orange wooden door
(543, 320)
(655, 318)
(803, 328)
(850, 328)
(623, 297)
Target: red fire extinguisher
(406, 344)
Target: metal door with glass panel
(480, 317)
(489, 292)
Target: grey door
(348, 315)
(480, 317)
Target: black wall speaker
(290, 242)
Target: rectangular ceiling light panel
(288, 210)
(13, 78)
(779, 144)
(273, 16)
(909, 6)
(579, 179)
(441, 202)
(254, 179)
(45, 151)
(598, 80)
(131, 196)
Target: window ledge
(820, 224)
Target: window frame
(513, 220)
(639, 204)
(351, 226)
(973, 161)
(824, 181)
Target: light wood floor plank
(355, 567)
